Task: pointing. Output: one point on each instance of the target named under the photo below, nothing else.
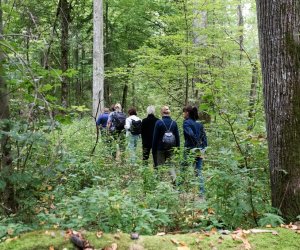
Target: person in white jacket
(133, 126)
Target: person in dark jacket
(148, 125)
(102, 119)
(195, 140)
(161, 126)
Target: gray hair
(150, 110)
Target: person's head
(106, 110)
(118, 107)
(112, 108)
(165, 111)
(190, 112)
(150, 110)
(132, 111)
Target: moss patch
(39, 240)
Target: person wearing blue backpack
(165, 138)
(116, 128)
(195, 141)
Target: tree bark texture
(279, 36)
(98, 59)
(65, 19)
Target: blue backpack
(168, 140)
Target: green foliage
(271, 219)
(10, 228)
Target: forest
(64, 62)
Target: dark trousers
(146, 155)
(161, 158)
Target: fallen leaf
(117, 236)
(182, 243)
(183, 248)
(246, 231)
(161, 234)
(220, 240)
(99, 234)
(212, 246)
(207, 234)
(11, 239)
(246, 243)
(293, 227)
(269, 226)
(210, 211)
(214, 230)
(176, 242)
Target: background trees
(155, 52)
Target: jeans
(197, 163)
(117, 142)
(199, 174)
(132, 145)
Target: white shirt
(128, 123)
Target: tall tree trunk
(7, 196)
(252, 96)
(133, 95)
(241, 29)
(279, 29)
(124, 98)
(107, 57)
(186, 52)
(76, 62)
(65, 19)
(98, 59)
(199, 24)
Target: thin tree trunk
(98, 59)
(241, 29)
(65, 19)
(279, 29)
(124, 98)
(133, 95)
(252, 96)
(7, 196)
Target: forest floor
(275, 238)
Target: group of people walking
(159, 135)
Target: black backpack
(168, 140)
(119, 119)
(136, 127)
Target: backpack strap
(166, 125)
